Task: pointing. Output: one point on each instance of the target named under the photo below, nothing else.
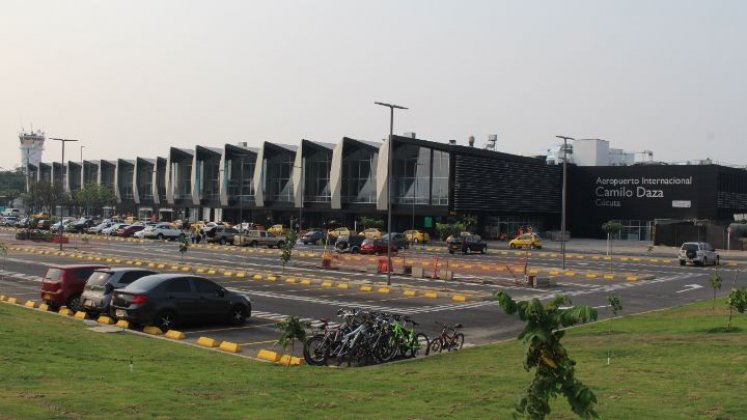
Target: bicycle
(448, 340)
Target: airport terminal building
(312, 184)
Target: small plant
(4, 253)
(716, 285)
(611, 228)
(183, 246)
(554, 369)
(737, 301)
(291, 329)
(615, 307)
(286, 249)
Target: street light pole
(563, 198)
(63, 141)
(391, 107)
(414, 199)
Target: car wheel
(160, 236)
(73, 303)
(354, 250)
(415, 240)
(483, 250)
(682, 262)
(253, 244)
(451, 251)
(512, 246)
(222, 241)
(165, 320)
(238, 315)
(705, 261)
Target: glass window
(206, 287)
(178, 286)
(99, 278)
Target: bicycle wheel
(388, 347)
(457, 342)
(435, 346)
(316, 351)
(419, 345)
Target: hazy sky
(133, 78)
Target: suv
(220, 234)
(255, 238)
(698, 253)
(349, 243)
(466, 244)
(63, 284)
(97, 294)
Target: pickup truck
(255, 238)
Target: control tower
(32, 146)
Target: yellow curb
(212, 271)
(174, 267)
(596, 258)
(431, 295)
(366, 288)
(268, 355)
(271, 278)
(241, 274)
(152, 265)
(176, 335)
(631, 278)
(228, 274)
(230, 347)
(343, 286)
(459, 298)
(306, 281)
(653, 260)
(30, 304)
(290, 280)
(288, 360)
(554, 273)
(635, 259)
(43, 307)
(208, 342)
(607, 258)
(200, 270)
(152, 330)
(122, 324)
(410, 293)
(383, 290)
(732, 264)
(103, 319)
(327, 284)
(65, 311)
(257, 277)
(186, 268)
(533, 271)
(569, 273)
(161, 266)
(128, 262)
(2, 298)
(624, 259)
(591, 276)
(609, 277)
(81, 315)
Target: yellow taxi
(340, 231)
(526, 240)
(277, 229)
(417, 236)
(372, 233)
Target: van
(63, 284)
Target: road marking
(690, 287)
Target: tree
(291, 329)
(615, 307)
(737, 301)
(286, 248)
(716, 285)
(450, 229)
(94, 197)
(555, 372)
(370, 222)
(611, 228)
(183, 246)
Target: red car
(127, 231)
(376, 246)
(63, 284)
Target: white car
(698, 253)
(112, 230)
(98, 228)
(139, 234)
(162, 231)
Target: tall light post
(391, 107)
(415, 197)
(81, 155)
(63, 141)
(562, 202)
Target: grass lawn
(667, 364)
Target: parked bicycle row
(363, 338)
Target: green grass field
(667, 364)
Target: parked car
(128, 231)
(167, 300)
(112, 230)
(376, 246)
(417, 236)
(61, 225)
(10, 221)
(372, 233)
(351, 244)
(312, 236)
(466, 244)
(255, 238)
(698, 253)
(277, 230)
(526, 240)
(98, 228)
(139, 234)
(397, 239)
(81, 225)
(162, 231)
(43, 224)
(97, 293)
(220, 234)
(63, 284)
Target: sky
(133, 78)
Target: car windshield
(54, 274)
(99, 278)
